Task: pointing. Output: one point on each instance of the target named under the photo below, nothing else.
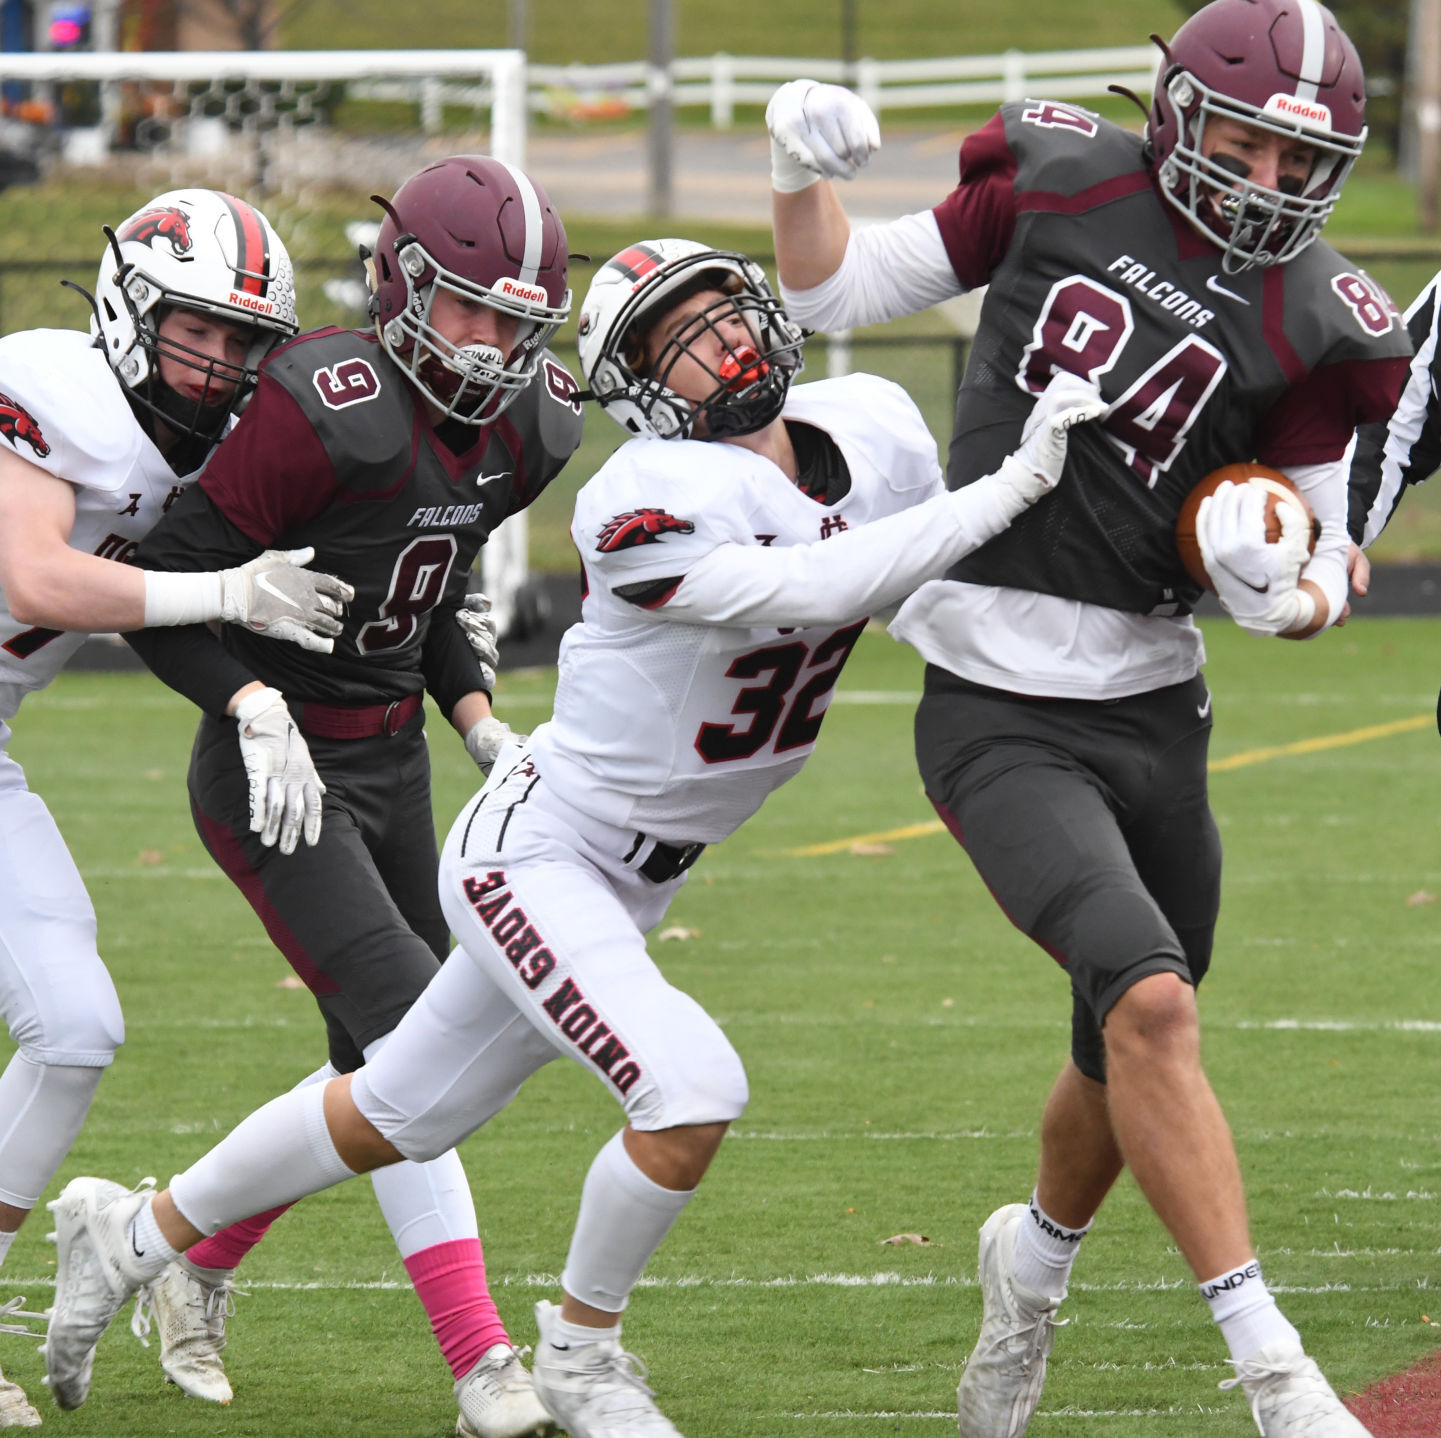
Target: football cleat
(94, 1277)
(1290, 1397)
(16, 1410)
(595, 1390)
(497, 1399)
(1001, 1387)
(191, 1305)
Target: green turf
(899, 1038)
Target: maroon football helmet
(1281, 65)
(485, 231)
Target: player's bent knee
(85, 1036)
(1157, 1012)
(712, 1092)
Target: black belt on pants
(355, 721)
(665, 861)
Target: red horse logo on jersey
(17, 423)
(165, 223)
(640, 526)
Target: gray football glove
(285, 790)
(477, 623)
(275, 595)
(486, 738)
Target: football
(1279, 491)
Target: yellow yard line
(1217, 766)
(1324, 741)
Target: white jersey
(680, 729)
(62, 409)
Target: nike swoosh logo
(261, 582)
(1217, 288)
(486, 478)
(1204, 709)
(139, 1252)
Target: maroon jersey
(1091, 271)
(335, 451)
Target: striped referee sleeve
(1385, 458)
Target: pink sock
(226, 1248)
(449, 1280)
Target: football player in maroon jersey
(1063, 739)
(394, 453)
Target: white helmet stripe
(1313, 49)
(534, 224)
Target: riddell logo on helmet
(252, 302)
(1309, 112)
(516, 289)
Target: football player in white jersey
(100, 432)
(732, 551)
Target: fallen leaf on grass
(291, 982)
(679, 932)
(919, 1239)
(151, 856)
(871, 849)
(1414, 901)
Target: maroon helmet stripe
(252, 263)
(637, 262)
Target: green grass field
(899, 1037)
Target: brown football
(1279, 491)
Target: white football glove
(477, 623)
(275, 595)
(486, 738)
(285, 790)
(818, 131)
(1256, 582)
(1035, 468)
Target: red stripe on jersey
(252, 262)
(1273, 324)
(1116, 188)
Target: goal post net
(284, 128)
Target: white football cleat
(595, 1390)
(16, 1410)
(1290, 1397)
(95, 1275)
(497, 1399)
(191, 1305)
(1001, 1387)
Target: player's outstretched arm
(48, 583)
(850, 575)
(818, 133)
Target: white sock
(426, 1203)
(151, 1250)
(6, 1239)
(574, 1334)
(623, 1218)
(1045, 1251)
(1246, 1312)
(281, 1153)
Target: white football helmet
(197, 250)
(648, 278)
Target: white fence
(721, 82)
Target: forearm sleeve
(848, 576)
(1324, 485)
(888, 270)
